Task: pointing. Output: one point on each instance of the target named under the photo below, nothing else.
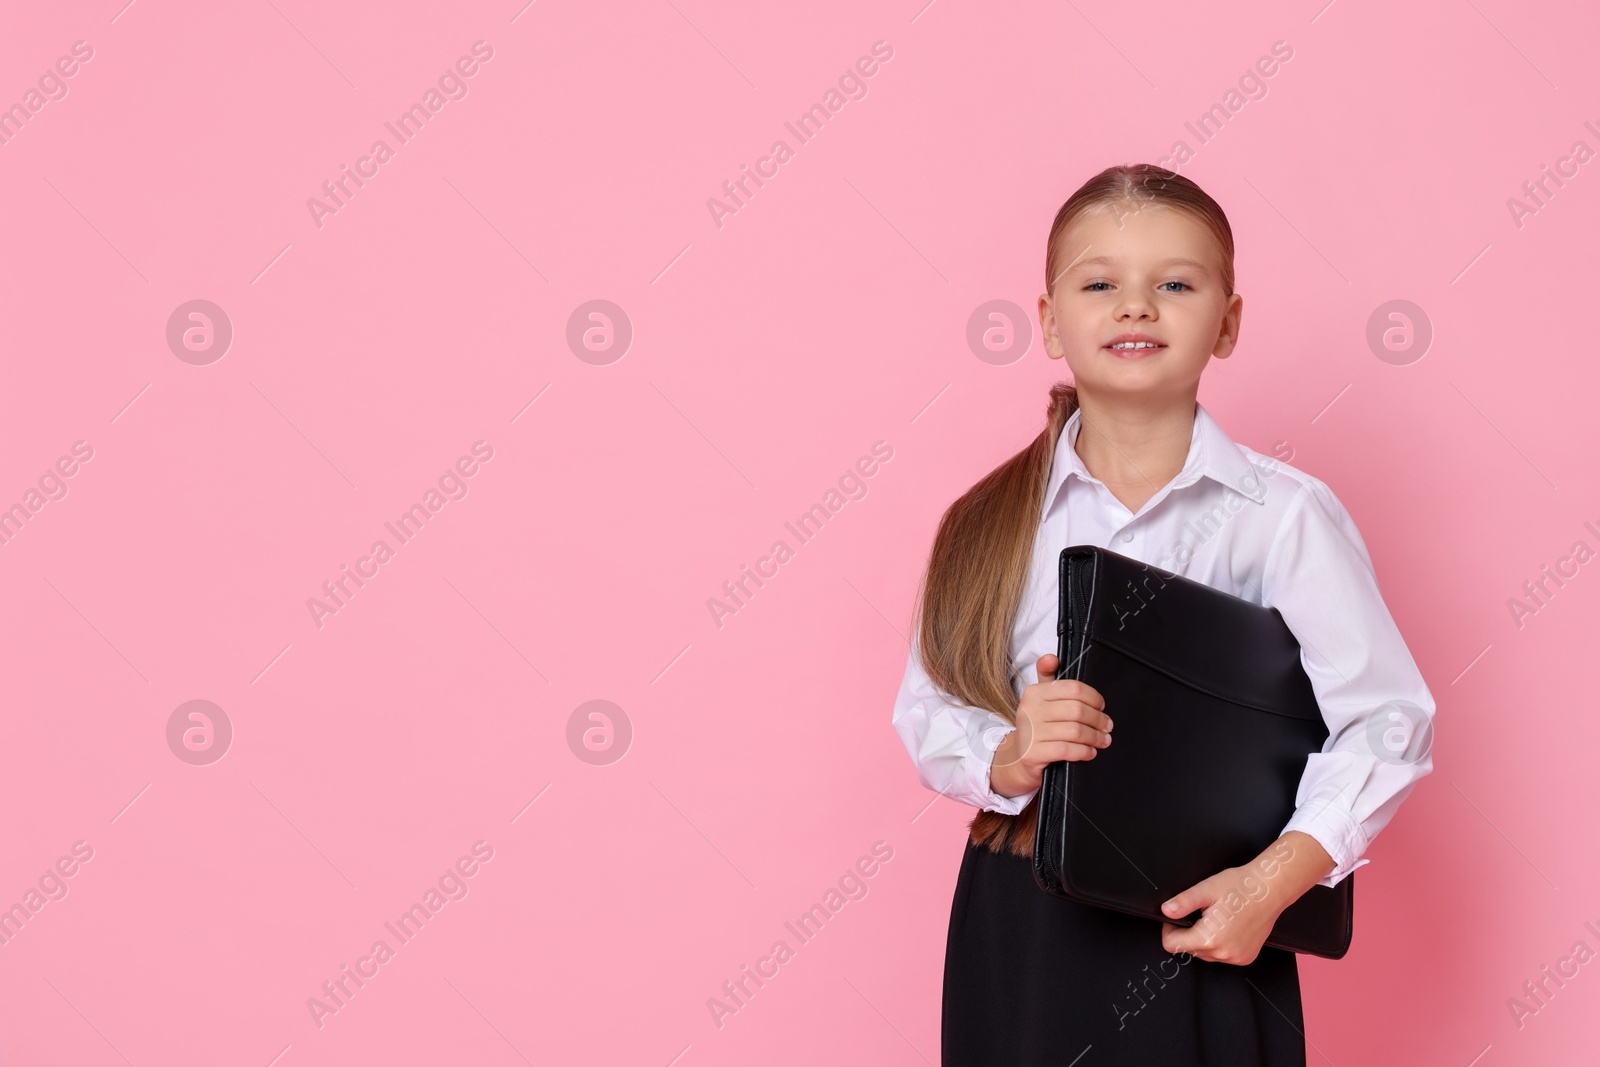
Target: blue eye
(1090, 288)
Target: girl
(1139, 298)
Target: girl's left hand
(1240, 910)
(1241, 904)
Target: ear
(1047, 328)
(1228, 335)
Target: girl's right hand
(1057, 719)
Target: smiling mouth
(1134, 349)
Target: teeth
(1136, 344)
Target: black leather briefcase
(1215, 718)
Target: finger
(1047, 666)
(1072, 711)
(1191, 940)
(1073, 730)
(1089, 715)
(1176, 939)
(1198, 896)
(1056, 751)
(1072, 689)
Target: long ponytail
(970, 595)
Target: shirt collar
(1212, 454)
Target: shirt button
(1127, 537)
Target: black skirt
(1031, 979)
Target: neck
(1139, 446)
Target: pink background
(767, 356)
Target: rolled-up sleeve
(952, 745)
(1378, 709)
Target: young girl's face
(1143, 271)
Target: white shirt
(1257, 528)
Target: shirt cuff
(993, 736)
(1337, 831)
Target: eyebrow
(1176, 261)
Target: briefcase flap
(1195, 635)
